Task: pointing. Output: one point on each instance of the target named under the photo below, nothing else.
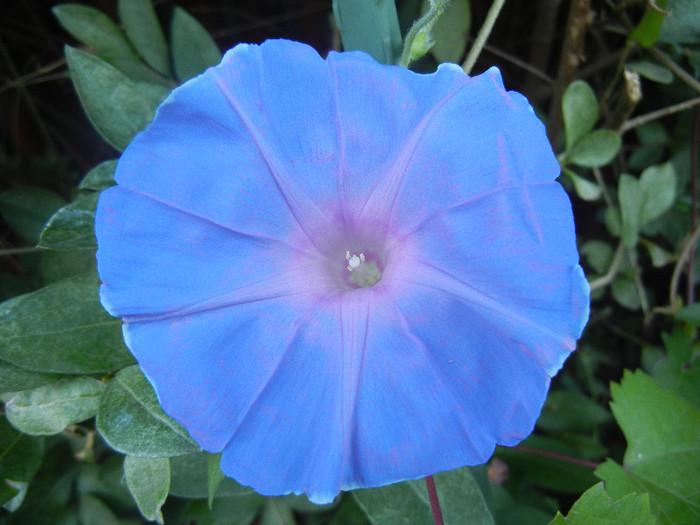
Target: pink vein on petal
(297, 201)
(447, 283)
(386, 191)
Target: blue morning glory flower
(343, 274)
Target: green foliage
(643, 200)
(371, 26)
(192, 48)
(27, 209)
(73, 226)
(62, 328)
(132, 422)
(663, 453)
(595, 506)
(143, 29)
(49, 409)
(148, 480)
(113, 102)
(460, 497)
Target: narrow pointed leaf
(117, 108)
(148, 480)
(193, 48)
(143, 29)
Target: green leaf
(51, 408)
(193, 48)
(14, 378)
(20, 455)
(240, 510)
(93, 511)
(587, 190)
(57, 265)
(214, 476)
(191, 478)
(132, 422)
(148, 480)
(683, 26)
(95, 29)
(117, 108)
(595, 149)
(451, 31)
(580, 111)
(679, 369)
(538, 459)
(598, 254)
(371, 26)
(143, 29)
(651, 70)
(689, 314)
(643, 200)
(595, 506)
(73, 226)
(663, 449)
(571, 411)
(461, 500)
(648, 29)
(100, 177)
(62, 328)
(28, 208)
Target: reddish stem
(434, 502)
(555, 455)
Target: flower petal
(191, 264)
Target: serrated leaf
(461, 500)
(587, 190)
(580, 111)
(73, 226)
(371, 26)
(28, 208)
(100, 177)
(595, 149)
(595, 506)
(117, 108)
(62, 328)
(679, 369)
(148, 480)
(192, 47)
(144, 31)
(132, 422)
(49, 409)
(663, 449)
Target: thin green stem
(483, 35)
(17, 251)
(612, 271)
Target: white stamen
(354, 260)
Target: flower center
(363, 271)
